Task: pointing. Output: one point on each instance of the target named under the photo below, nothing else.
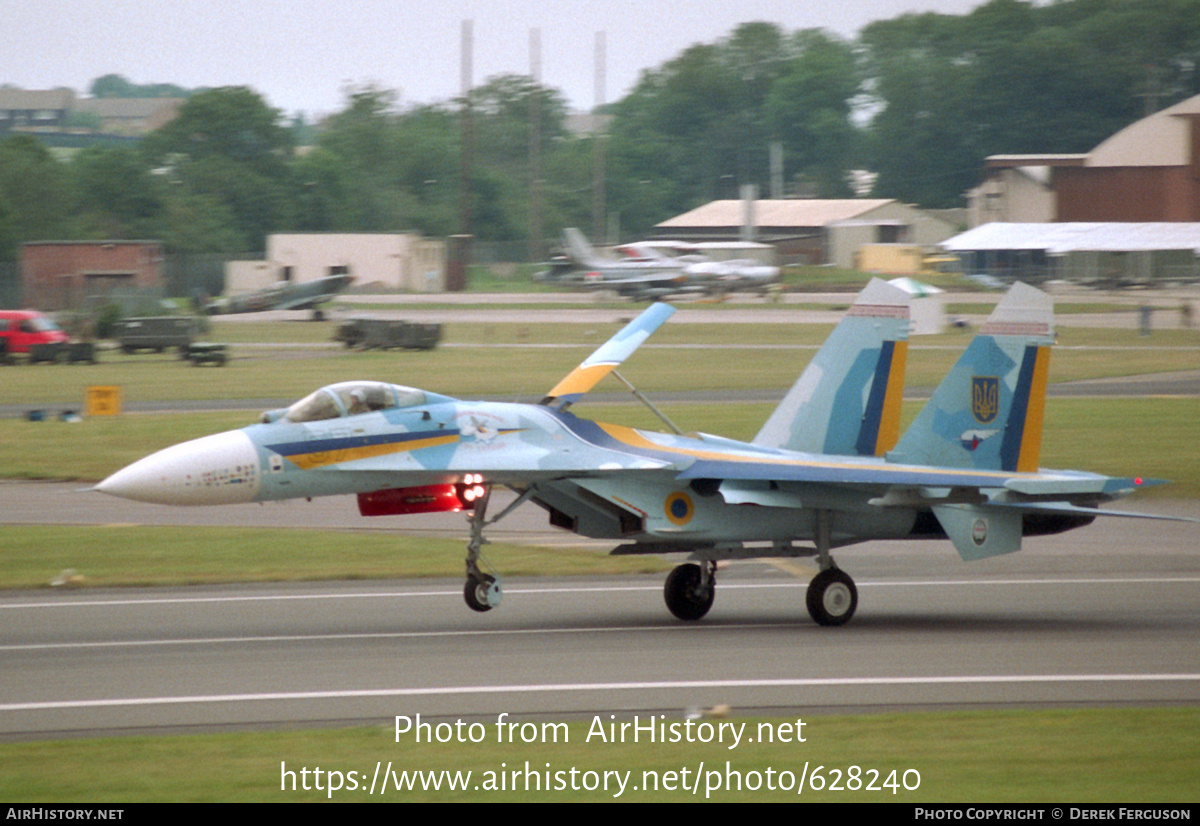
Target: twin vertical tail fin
(847, 401)
(987, 413)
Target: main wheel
(832, 597)
(481, 593)
(686, 597)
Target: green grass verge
(721, 361)
(125, 555)
(466, 372)
(1121, 755)
(1086, 434)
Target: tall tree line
(920, 99)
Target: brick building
(64, 275)
(1147, 172)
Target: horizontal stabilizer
(979, 531)
(608, 357)
(1108, 487)
(1061, 509)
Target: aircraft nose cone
(213, 470)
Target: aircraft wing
(302, 302)
(606, 359)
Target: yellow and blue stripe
(881, 419)
(1021, 448)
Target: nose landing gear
(482, 591)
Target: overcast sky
(301, 54)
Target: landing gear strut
(482, 592)
(689, 590)
(831, 597)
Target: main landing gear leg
(831, 597)
(482, 591)
(690, 589)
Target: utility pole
(535, 147)
(598, 206)
(459, 254)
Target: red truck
(20, 329)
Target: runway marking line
(928, 583)
(384, 635)
(831, 682)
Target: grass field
(131, 556)
(1074, 757)
(1079, 433)
(506, 360)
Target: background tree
(36, 200)
(118, 196)
(116, 86)
(230, 146)
(701, 126)
(1012, 77)
(502, 117)
(920, 99)
(809, 110)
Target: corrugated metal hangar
(1112, 252)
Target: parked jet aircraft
(828, 469)
(644, 271)
(636, 277)
(304, 295)
(735, 275)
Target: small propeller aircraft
(304, 295)
(828, 469)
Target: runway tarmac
(1104, 615)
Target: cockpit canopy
(349, 398)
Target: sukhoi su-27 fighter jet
(828, 469)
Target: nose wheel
(482, 592)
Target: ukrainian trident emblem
(985, 398)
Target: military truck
(156, 333)
(372, 333)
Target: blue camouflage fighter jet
(828, 469)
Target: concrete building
(59, 112)
(70, 275)
(27, 110)
(1103, 254)
(1018, 188)
(129, 117)
(403, 262)
(809, 231)
(1147, 172)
